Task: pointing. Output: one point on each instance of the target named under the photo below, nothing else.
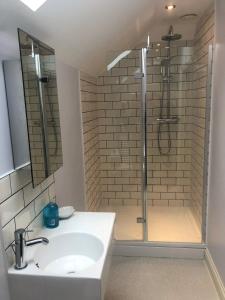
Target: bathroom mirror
(42, 110)
(14, 148)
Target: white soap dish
(66, 212)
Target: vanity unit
(74, 264)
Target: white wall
(17, 113)
(70, 178)
(216, 210)
(4, 292)
(6, 160)
(84, 32)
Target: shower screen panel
(176, 116)
(121, 144)
(154, 114)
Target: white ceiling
(83, 32)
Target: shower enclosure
(153, 107)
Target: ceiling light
(158, 45)
(33, 4)
(170, 7)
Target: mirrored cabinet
(30, 121)
(42, 109)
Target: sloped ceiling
(83, 32)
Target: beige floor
(165, 224)
(146, 278)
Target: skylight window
(33, 4)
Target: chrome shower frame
(144, 219)
(144, 147)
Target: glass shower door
(120, 143)
(154, 120)
(176, 141)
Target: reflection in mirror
(39, 76)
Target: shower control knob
(139, 75)
(141, 220)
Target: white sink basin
(73, 266)
(69, 253)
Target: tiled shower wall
(90, 113)
(169, 181)
(113, 143)
(169, 176)
(21, 205)
(119, 133)
(203, 38)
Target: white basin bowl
(69, 253)
(73, 266)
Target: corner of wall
(70, 183)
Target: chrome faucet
(20, 244)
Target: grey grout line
(27, 205)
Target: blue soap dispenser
(51, 215)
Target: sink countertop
(98, 224)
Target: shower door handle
(141, 220)
(139, 75)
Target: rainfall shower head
(171, 36)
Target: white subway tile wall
(21, 205)
(111, 125)
(203, 38)
(90, 112)
(169, 176)
(5, 188)
(119, 133)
